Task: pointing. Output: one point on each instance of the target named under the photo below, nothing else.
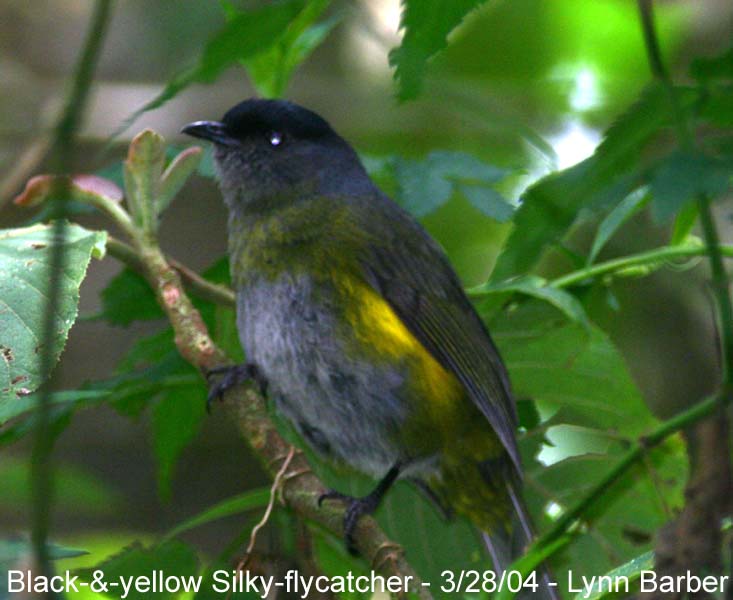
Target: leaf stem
(643, 259)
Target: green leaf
(128, 298)
(581, 385)
(425, 185)
(537, 287)
(143, 169)
(681, 177)
(621, 213)
(551, 206)
(176, 175)
(249, 500)
(426, 24)
(25, 263)
(272, 69)
(683, 224)
(488, 201)
(630, 570)
(175, 559)
(244, 36)
(177, 418)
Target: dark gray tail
(504, 548)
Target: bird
(353, 317)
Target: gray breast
(343, 405)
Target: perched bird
(355, 318)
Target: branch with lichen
(149, 188)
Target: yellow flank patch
(377, 328)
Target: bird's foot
(355, 508)
(233, 375)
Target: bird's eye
(276, 139)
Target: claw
(233, 375)
(356, 507)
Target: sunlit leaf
(272, 69)
(173, 558)
(551, 206)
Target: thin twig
(204, 289)
(63, 140)
(274, 490)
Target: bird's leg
(366, 505)
(233, 375)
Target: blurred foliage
(579, 408)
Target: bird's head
(269, 149)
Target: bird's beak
(214, 131)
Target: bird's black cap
(259, 116)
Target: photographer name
(649, 581)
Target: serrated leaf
(621, 213)
(25, 263)
(173, 558)
(551, 206)
(683, 176)
(177, 418)
(577, 378)
(426, 25)
(127, 298)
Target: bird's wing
(412, 273)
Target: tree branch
(301, 488)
